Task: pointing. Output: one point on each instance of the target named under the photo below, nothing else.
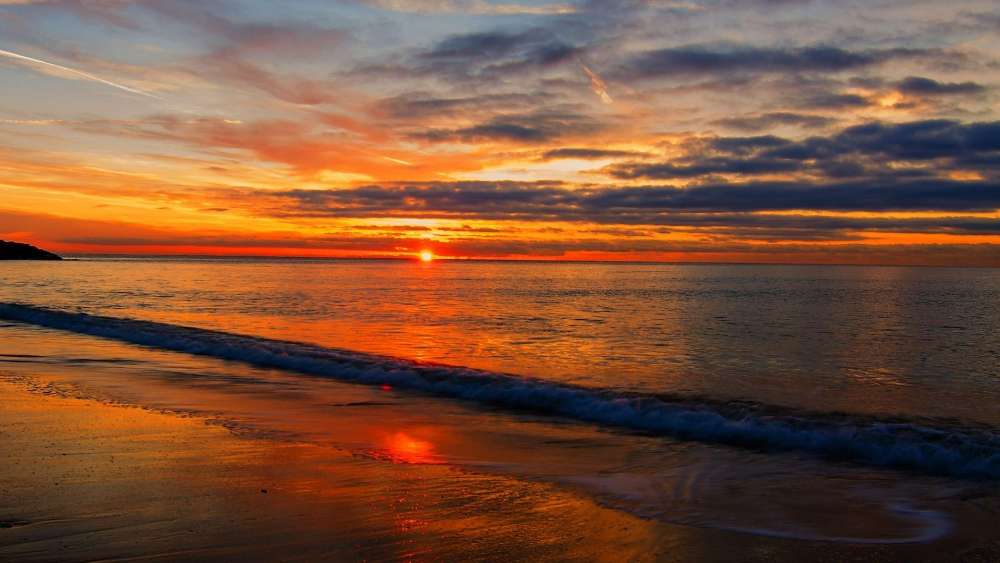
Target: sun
(426, 256)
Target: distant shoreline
(10, 250)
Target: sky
(791, 131)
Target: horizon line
(77, 255)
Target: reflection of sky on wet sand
(91, 481)
(403, 448)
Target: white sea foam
(908, 444)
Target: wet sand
(87, 480)
(84, 480)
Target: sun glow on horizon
(426, 256)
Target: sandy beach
(86, 480)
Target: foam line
(915, 445)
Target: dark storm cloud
(700, 60)
(928, 87)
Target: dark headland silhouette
(21, 251)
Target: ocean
(845, 404)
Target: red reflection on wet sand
(403, 448)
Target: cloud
(471, 7)
(923, 140)
(482, 55)
(493, 44)
(541, 126)
(634, 205)
(421, 105)
(238, 51)
(929, 87)
(597, 85)
(713, 165)
(864, 195)
(753, 236)
(835, 101)
(874, 167)
(854, 151)
(586, 153)
(743, 59)
(720, 155)
(763, 121)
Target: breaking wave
(917, 445)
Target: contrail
(86, 75)
(396, 160)
(597, 85)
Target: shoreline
(758, 426)
(93, 480)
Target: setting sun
(426, 256)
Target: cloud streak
(695, 60)
(597, 85)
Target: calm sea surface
(855, 405)
(913, 341)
